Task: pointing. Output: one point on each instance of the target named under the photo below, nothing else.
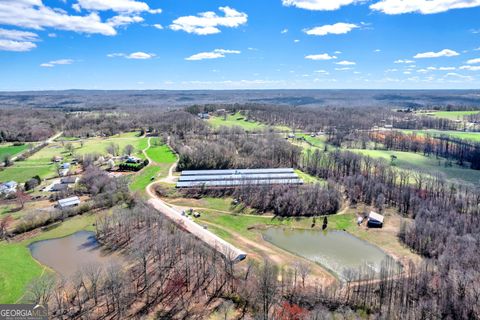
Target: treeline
(445, 229)
(233, 148)
(419, 122)
(464, 152)
(282, 200)
(28, 124)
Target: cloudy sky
(226, 44)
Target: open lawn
(144, 177)
(162, 158)
(452, 115)
(472, 136)
(11, 150)
(308, 178)
(429, 165)
(99, 145)
(21, 173)
(161, 154)
(237, 120)
(18, 268)
(39, 163)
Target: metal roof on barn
(239, 177)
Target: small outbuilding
(132, 159)
(68, 202)
(375, 220)
(59, 187)
(8, 187)
(69, 180)
(65, 165)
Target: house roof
(375, 216)
(10, 184)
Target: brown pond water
(336, 250)
(67, 255)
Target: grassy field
(143, 178)
(452, 115)
(161, 154)
(429, 165)
(99, 145)
(11, 150)
(18, 268)
(472, 136)
(162, 158)
(237, 120)
(308, 178)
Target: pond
(67, 255)
(336, 250)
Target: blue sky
(224, 44)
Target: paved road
(228, 250)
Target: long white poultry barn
(237, 177)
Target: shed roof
(375, 216)
(67, 202)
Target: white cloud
(458, 76)
(206, 23)
(18, 35)
(473, 61)
(346, 63)
(124, 6)
(323, 56)
(403, 61)
(135, 55)
(296, 41)
(34, 15)
(446, 68)
(343, 69)
(317, 5)
(422, 6)
(431, 54)
(377, 50)
(140, 55)
(470, 68)
(122, 20)
(18, 46)
(54, 63)
(17, 40)
(284, 31)
(337, 28)
(391, 70)
(215, 54)
(323, 72)
(158, 26)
